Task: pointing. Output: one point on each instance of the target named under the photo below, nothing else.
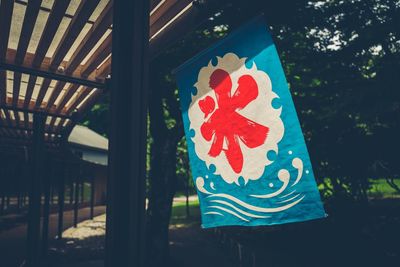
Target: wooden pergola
(57, 58)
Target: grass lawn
(379, 188)
(179, 218)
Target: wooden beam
(50, 75)
(56, 91)
(28, 24)
(76, 25)
(31, 14)
(104, 70)
(50, 31)
(165, 13)
(97, 31)
(46, 39)
(6, 10)
(101, 53)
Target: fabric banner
(246, 149)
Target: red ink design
(225, 123)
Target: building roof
(85, 137)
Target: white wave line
(288, 194)
(298, 164)
(229, 211)
(287, 200)
(214, 213)
(284, 177)
(255, 208)
(239, 210)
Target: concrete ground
(13, 240)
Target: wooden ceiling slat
(154, 3)
(88, 103)
(8, 117)
(70, 92)
(45, 41)
(91, 39)
(30, 17)
(6, 11)
(29, 90)
(16, 87)
(79, 98)
(56, 91)
(101, 53)
(165, 13)
(82, 15)
(104, 70)
(50, 30)
(42, 92)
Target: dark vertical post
(37, 165)
(61, 192)
(71, 191)
(82, 190)
(127, 152)
(46, 212)
(3, 202)
(92, 197)
(76, 203)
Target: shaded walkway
(13, 241)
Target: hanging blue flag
(247, 152)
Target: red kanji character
(226, 123)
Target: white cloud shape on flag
(260, 110)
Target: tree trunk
(162, 181)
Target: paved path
(13, 241)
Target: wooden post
(46, 212)
(82, 189)
(71, 192)
(37, 165)
(92, 191)
(61, 192)
(125, 244)
(76, 203)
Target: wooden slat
(29, 90)
(42, 92)
(53, 97)
(30, 17)
(154, 3)
(67, 96)
(49, 31)
(28, 24)
(91, 39)
(46, 38)
(78, 99)
(104, 70)
(82, 15)
(6, 10)
(171, 9)
(82, 110)
(8, 118)
(101, 53)
(16, 88)
(70, 92)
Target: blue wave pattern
(286, 192)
